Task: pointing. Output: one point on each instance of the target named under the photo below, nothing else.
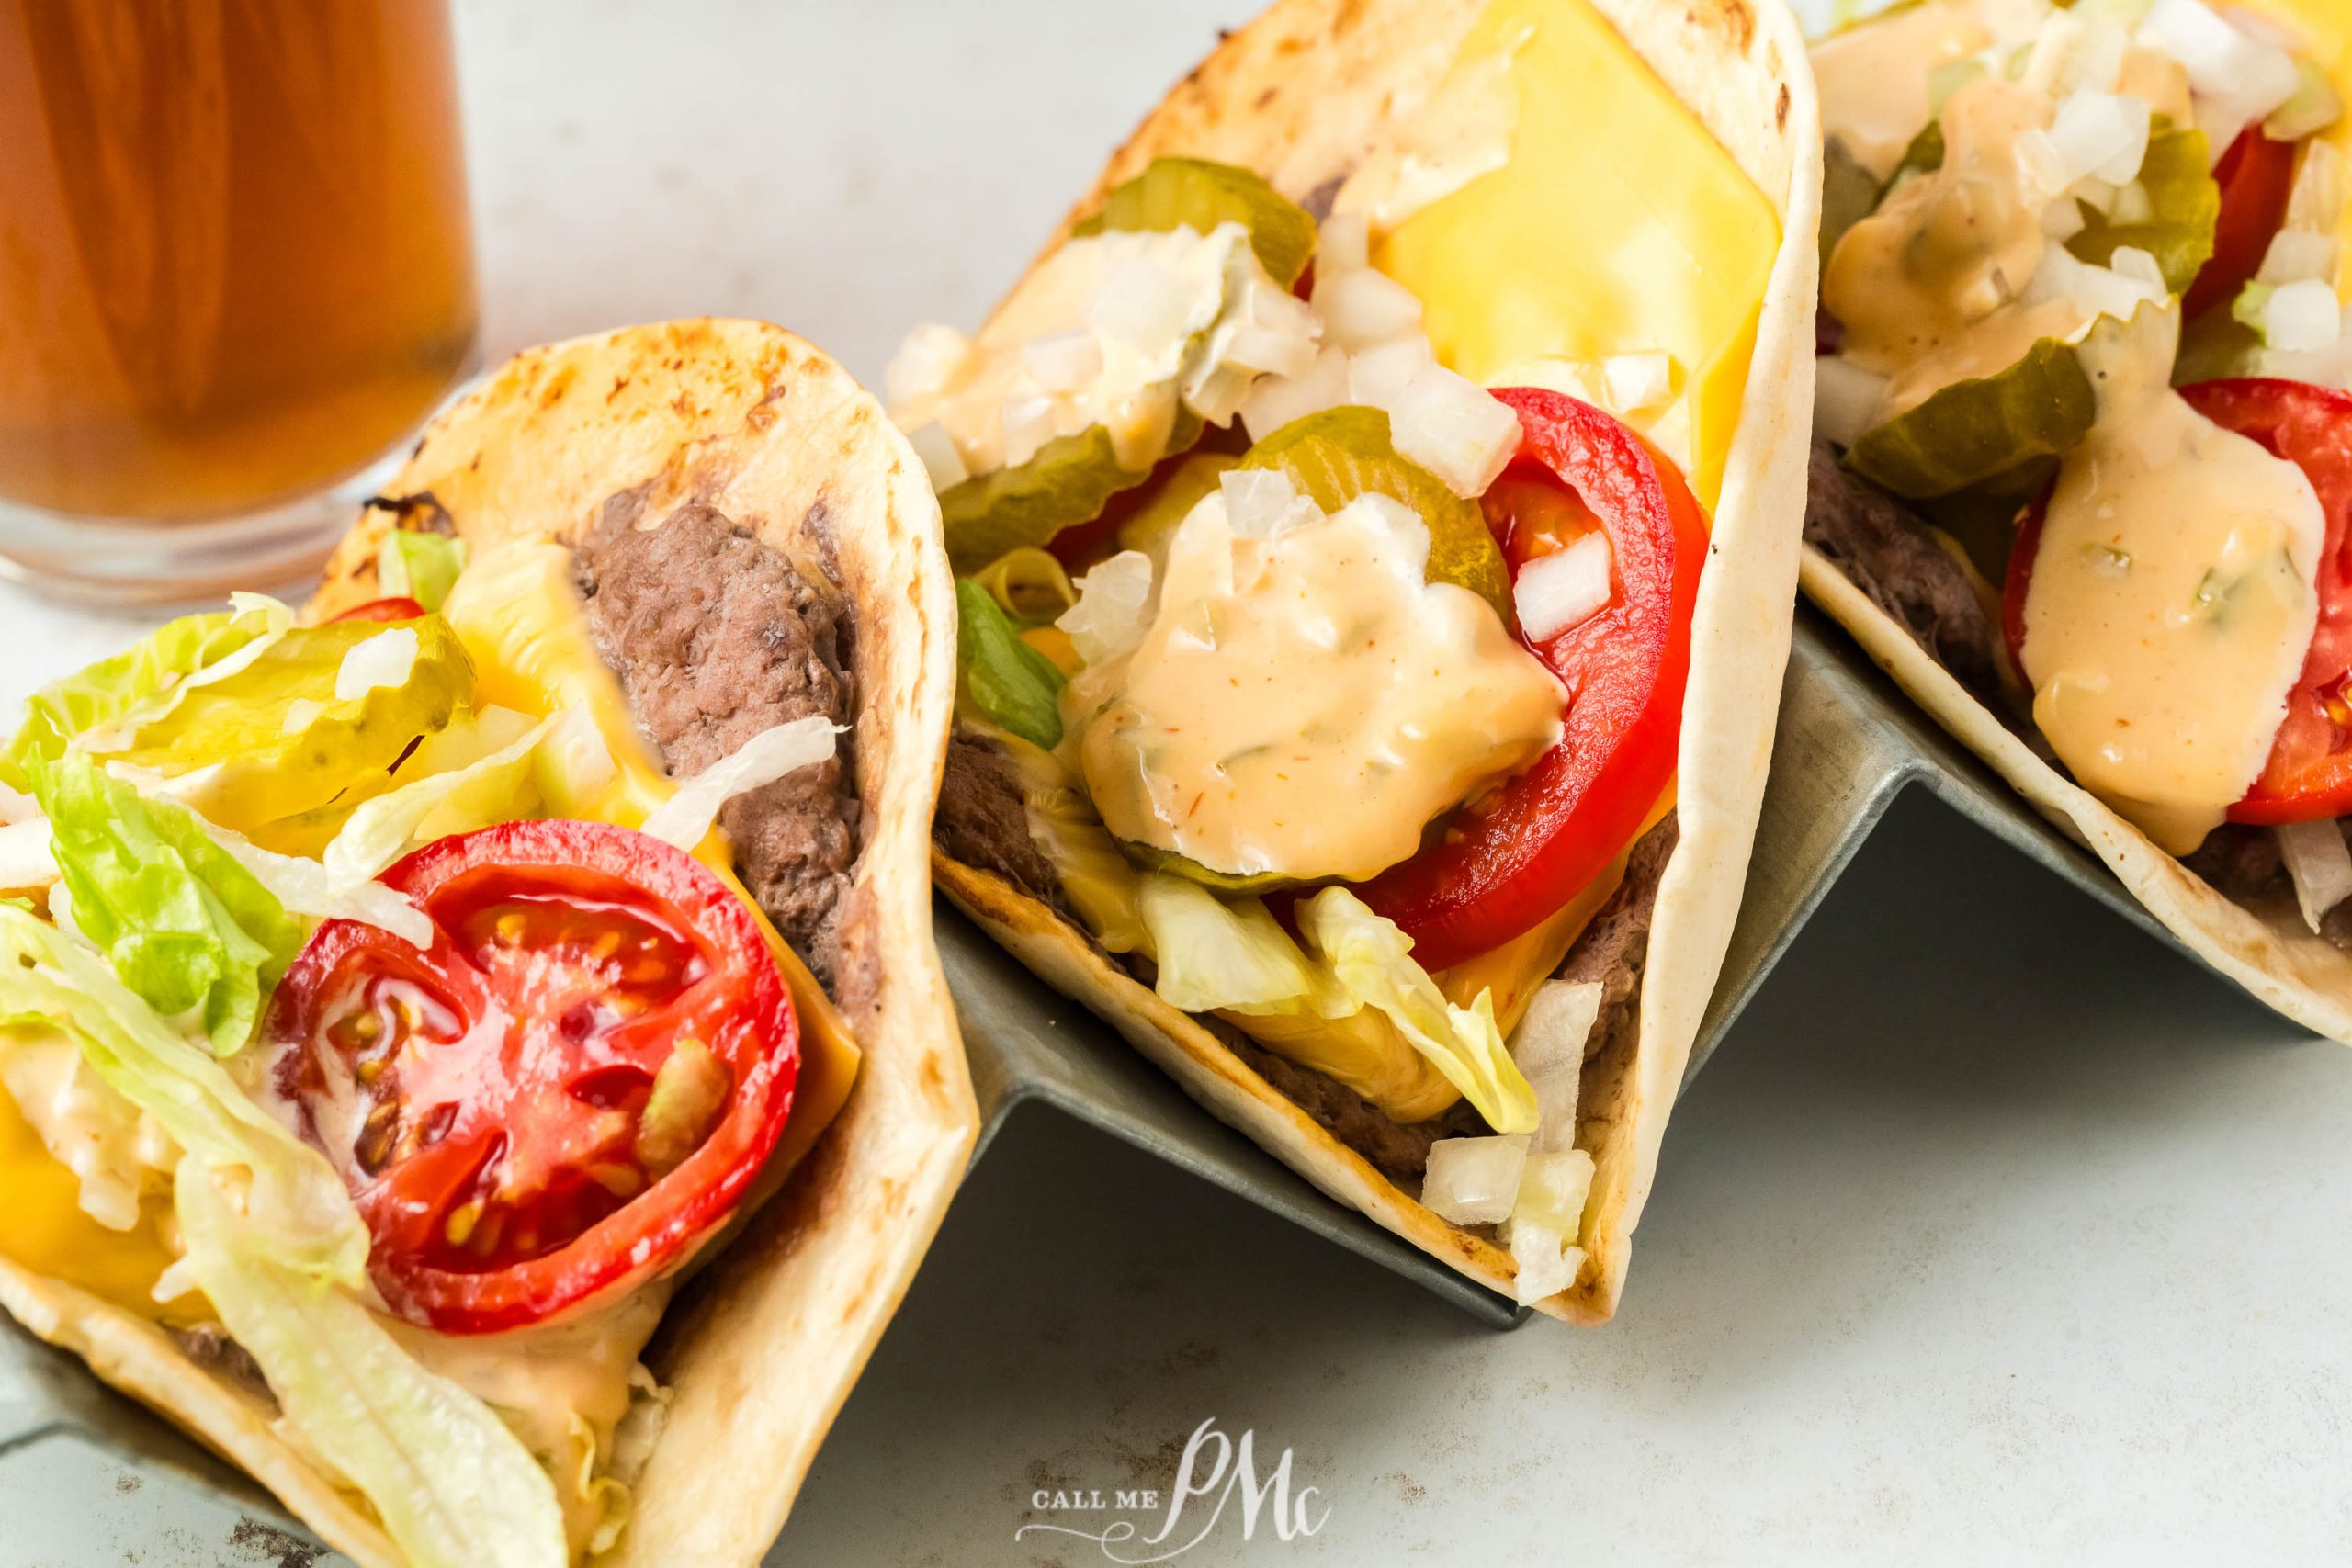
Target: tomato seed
(461, 1221)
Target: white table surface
(1995, 1233)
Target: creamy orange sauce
(2172, 600)
(1873, 78)
(1928, 286)
(1305, 704)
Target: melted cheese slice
(43, 1229)
(2326, 30)
(1618, 225)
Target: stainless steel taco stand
(1849, 745)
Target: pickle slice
(1339, 454)
(1068, 482)
(1153, 858)
(1193, 192)
(269, 759)
(1995, 431)
(2188, 206)
(1849, 193)
(1151, 525)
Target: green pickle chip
(273, 760)
(1151, 857)
(1070, 482)
(1339, 454)
(1193, 192)
(1153, 523)
(1993, 431)
(2186, 203)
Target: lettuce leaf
(1016, 687)
(1371, 960)
(187, 927)
(1214, 954)
(419, 565)
(453, 1487)
(467, 787)
(146, 673)
(301, 1217)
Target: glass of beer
(236, 273)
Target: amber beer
(236, 263)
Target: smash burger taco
(1375, 517)
(2088, 463)
(403, 1001)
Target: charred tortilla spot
(419, 513)
(1781, 110)
(716, 636)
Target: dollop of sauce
(1873, 78)
(1928, 288)
(1305, 703)
(2172, 600)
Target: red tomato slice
(487, 1097)
(384, 610)
(2256, 175)
(1504, 864)
(2309, 772)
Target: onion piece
(1344, 243)
(26, 858)
(1456, 429)
(1361, 307)
(940, 458)
(1549, 1046)
(1564, 589)
(1546, 1263)
(1846, 399)
(1108, 619)
(2237, 78)
(384, 659)
(1474, 1181)
(1378, 375)
(1261, 503)
(1273, 401)
(1064, 362)
(2102, 135)
(778, 751)
(2320, 865)
(2302, 317)
(2296, 254)
(926, 363)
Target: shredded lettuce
(1014, 685)
(1371, 960)
(454, 1487)
(686, 818)
(419, 565)
(107, 692)
(471, 789)
(302, 1218)
(1214, 954)
(187, 927)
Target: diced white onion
(1846, 399)
(1345, 243)
(2133, 204)
(2296, 254)
(782, 749)
(1273, 401)
(1549, 1047)
(940, 459)
(1378, 375)
(925, 362)
(2316, 202)
(2320, 865)
(2101, 135)
(2315, 106)
(1547, 1263)
(1456, 429)
(1028, 424)
(1267, 350)
(1143, 302)
(2237, 78)
(2138, 266)
(1474, 1181)
(1108, 619)
(1637, 381)
(2130, 279)
(1564, 589)
(1064, 362)
(1361, 307)
(2302, 317)
(384, 659)
(2044, 166)
(25, 857)
(1261, 503)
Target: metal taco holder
(1847, 744)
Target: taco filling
(394, 1008)
(2086, 401)
(1334, 694)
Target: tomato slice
(579, 1077)
(2309, 774)
(2257, 175)
(384, 610)
(1502, 865)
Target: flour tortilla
(2270, 950)
(760, 1349)
(1297, 96)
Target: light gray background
(1995, 1233)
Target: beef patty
(716, 636)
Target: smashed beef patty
(716, 636)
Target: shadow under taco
(473, 1052)
(1376, 515)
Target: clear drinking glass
(236, 271)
